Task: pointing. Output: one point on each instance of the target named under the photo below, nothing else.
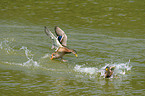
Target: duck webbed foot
(52, 56)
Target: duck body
(61, 52)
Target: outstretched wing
(61, 36)
(55, 42)
(112, 68)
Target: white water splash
(5, 45)
(120, 69)
(45, 56)
(87, 70)
(8, 46)
(29, 56)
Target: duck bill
(76, 55)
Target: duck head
(74, 52)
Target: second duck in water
(109, 71)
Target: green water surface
(103, 32)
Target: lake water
(103, 32)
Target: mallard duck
(59, 43)
(109, 71)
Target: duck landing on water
(59, 43)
